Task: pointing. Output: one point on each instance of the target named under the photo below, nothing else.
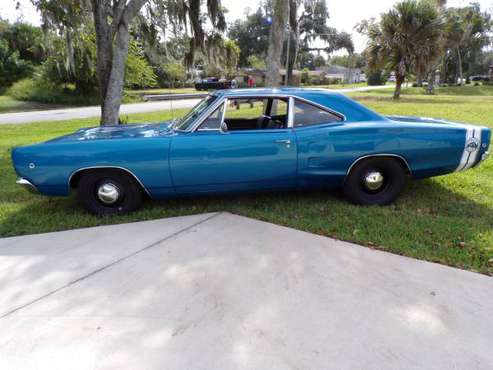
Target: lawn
(446, 219)
(8, 104)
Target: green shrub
(138, 72)
(256, 62)
(376, 78)
(334, 81)
(35, 90)
(12, 67)
(24, 38)
(174, 72)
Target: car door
(209, 159)
(323, 144)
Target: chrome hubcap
(373, 180)
(108, 193)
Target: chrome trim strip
(223, 113)
(291, 112)
(114, 167)
(26, 184)
(206, 114)
(380, 155)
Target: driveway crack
(105, 267)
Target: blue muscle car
(283, 139)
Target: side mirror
(223, 128)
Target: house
(344, 74)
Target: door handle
(285, 142)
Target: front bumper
(26, 184)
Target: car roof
(293, 91)
(332, 100)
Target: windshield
(187, 122)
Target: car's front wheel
(108, 192)
(375, 181)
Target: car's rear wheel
(375, 181)
(109, 192)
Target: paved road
(219, 291)
(94, 111)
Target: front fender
(49, 166)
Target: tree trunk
(430, 89)
(276, 38)
(400, 75)
(70, 51)
(294, 36)
(112, 51)
(399, 79)
(104, 49)
(459, 65)
(114, 91)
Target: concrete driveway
(219, 291)
(95, 111)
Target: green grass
(29, 90)
(447, 219)
(9, 104)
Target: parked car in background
(289, 138)
(479, 78)
(214, 83)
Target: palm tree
(405, 40)
(466, 29)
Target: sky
(344, 14)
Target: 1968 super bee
(285, 138)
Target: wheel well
(404, 164)
(76, 176)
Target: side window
(244, 109)
(213, 122)
(306, 114)
(256, 113)
(279, 108)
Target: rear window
(306, 114)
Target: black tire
(357, 190)
(129, 192)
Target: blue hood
(117, 132)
